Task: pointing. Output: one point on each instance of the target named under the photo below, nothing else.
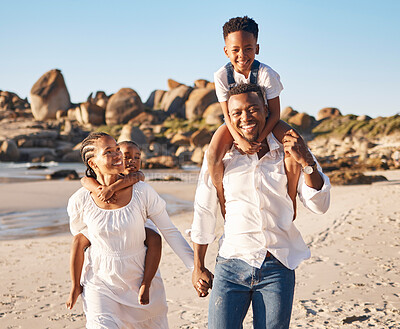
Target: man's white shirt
(259, 211)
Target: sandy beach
(351, 280)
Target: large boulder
(327, 113)
(90, 113)
(301, 120)
(155, 99)
(198, 100)
(213, 114)
(131, 133)
(48, 95)
(9, 151)
(174, 100)
(200, 138)
(123, 106)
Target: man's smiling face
(248, 114)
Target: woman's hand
(73, 296)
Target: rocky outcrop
(12, 106)
(123, 106)
(328, 112)
(287, 113)
(302, 120)
(354, 178)
(49, 95)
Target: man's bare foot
(144, 294)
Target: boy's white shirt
(267, 78)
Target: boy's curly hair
(241, 24)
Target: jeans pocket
(221, 260)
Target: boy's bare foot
(73, 296)
(144, 294)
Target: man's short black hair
(240, 24)
(244, 88)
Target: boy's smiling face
(241, 48)
(131, 157)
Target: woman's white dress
(113, 272)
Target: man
(261, 246)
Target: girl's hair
(87, 151)
(131, 143)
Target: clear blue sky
(344, 54)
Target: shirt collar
(273, 144)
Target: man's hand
(295, 146)
(202, 281)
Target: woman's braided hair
(87, 151)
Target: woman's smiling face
(108, 157)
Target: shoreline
(351, 277)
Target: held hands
(202, 281)
(246, 147)
(295, 147)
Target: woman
(116, 234)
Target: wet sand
(351, 280)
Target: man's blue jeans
(236, 284)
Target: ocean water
(19, 171)
(53, 221)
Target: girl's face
(131, 156)
(107, 158)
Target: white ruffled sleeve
(75, 212)
(156, 211)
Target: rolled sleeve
(315, 200)
(205, 208)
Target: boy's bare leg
(151, 262)
(79, 243)
(293, 170)
(220, 143)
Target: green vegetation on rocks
(349, 125)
